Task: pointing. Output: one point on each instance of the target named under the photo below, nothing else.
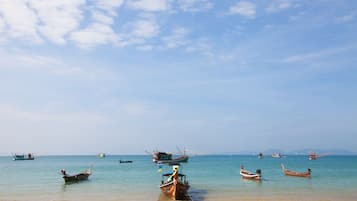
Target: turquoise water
(210, 177)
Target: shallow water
(210, 177)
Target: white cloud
(20, 20)
(58, 18)
(244, 8)
(109, 5)
(2, 30)
(279, 5)
(145, 28)
(149, 5)
(102, 18)
(195, 5)
(177, 38)
(346, 18)
(95, 34)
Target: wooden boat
(276, 155)
(101, 155)
(250, 175)
(21, 157)
(122, 161)
(164, 157)
(296, 174)
(77, 177)
(314, 156)
(174, 185)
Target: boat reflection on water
(193, 195)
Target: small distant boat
(175, 185)
(101, 155)
(123, 161)
(260, 155)
(77, 177)
(276, 155)
(21, 157)
(287, 172)
(164, 157)
(250, 175)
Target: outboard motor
(258, 171)
(63, 171)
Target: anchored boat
(175, 185)
(77, 177)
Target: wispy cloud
(177, 38)
(279, 5)
(145, 28)
(137, 32)
(244, 8)
(15, 112)
(95, 34)
(195, 5)
(109, 6)
(30, 62)
(317, 55)
(346, 18)
(149, 5)
(201, 46)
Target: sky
(223, 76)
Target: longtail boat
(77, 177)
(22, 157)
(276, 155)
(174, 185)
(296, 174)
(250, 175)
(125, 161)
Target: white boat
(276, 155)
(250, 175)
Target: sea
(211, 177)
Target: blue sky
(125, 76)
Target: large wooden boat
(287, 172)
(77, 177)
(257, 176)
(164, 157)
(22, 157)
(174, 185)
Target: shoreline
(196, 196)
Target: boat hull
(296, 174)
(76, 178)
(182, 159)
(23, 159)
(251, 176)
(175, 190)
